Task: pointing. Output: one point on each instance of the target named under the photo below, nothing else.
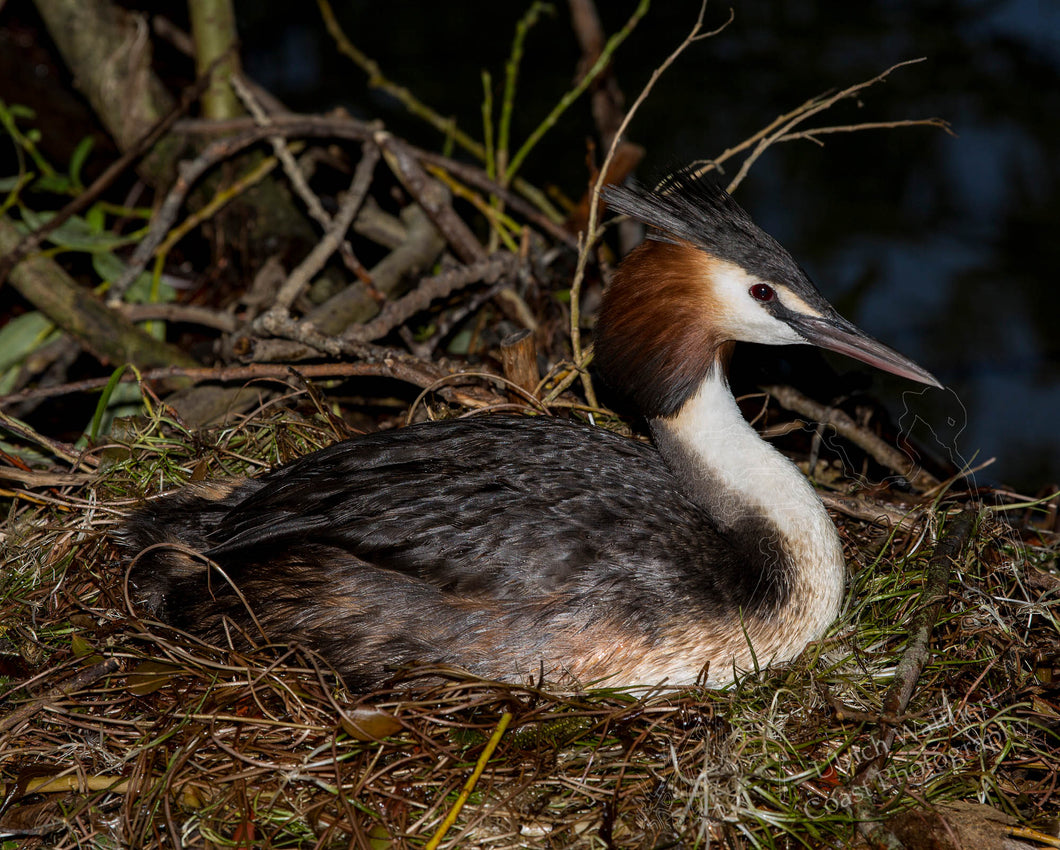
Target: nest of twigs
(930, 711)
(935, 688)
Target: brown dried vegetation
(939, 683)
(116, 730)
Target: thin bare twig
(62, 450)
(780, 128)
(455, 316)
(786, 123)
(189, 314)
(282, 153)
(188, 173)
(478, 178)
(429, 289)
(814, 132)
(376, 362)
(344, 127)
(589, 238)
(79, 680)
(884, 453)
(334, 236)
(32, 478)
(874, 511)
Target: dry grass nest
(116, 731)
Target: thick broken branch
(420, 248)
(110, 337)
(432, 196)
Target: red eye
(762, 292)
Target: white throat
(730, 471)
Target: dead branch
(77, 682)
(336, 231)
(431, 288)
(783, 125)
(189, 173)
(62, 450)
(109, 336)
(814, 132)
(188, 314)
(519, 359)
(108, 52)
(356, 303)
(344, 127)
(379, 226)
(431, 195)
(881, 451)
(242, 87)
(377, 363)
(874, 511)
(501, 290)
(32, 478)
(478, 178)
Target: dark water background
(945, 247)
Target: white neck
(728, 469)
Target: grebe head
(708, 276)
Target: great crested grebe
(515, 546)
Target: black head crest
(692, 207)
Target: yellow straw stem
(469, 786)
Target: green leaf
(15, 111)
(80, 646)
(104, 401)
(76, 234)
(77, 160)
(460, 342)
(110, 268)
(22, 336)
(59, 184)
(96, 218)
(151, 676)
